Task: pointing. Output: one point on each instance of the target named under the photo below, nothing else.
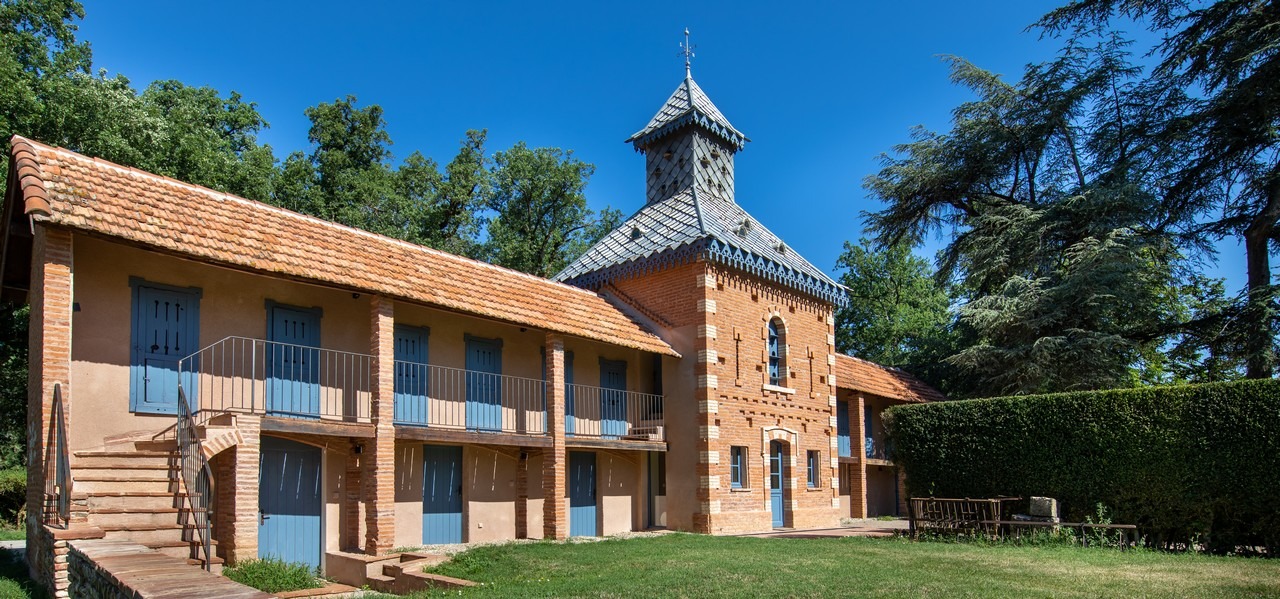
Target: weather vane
(687, 49)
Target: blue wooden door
(777, 476)
(166, 327)
(870, 441)
(842, 428)
(411, 375)
(289, 498)
(441, 494)
(293, 362)
(613, 399)
(484, 385)
(582, 494)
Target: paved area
(144, 572)
(868, 527)
(19, 544)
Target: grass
(272, 575)
(14, 583)
(8, 533)
(683, 565)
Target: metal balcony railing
(612, 414)
(240, 374)
(878, 449)
(57, 481)
(454, 398)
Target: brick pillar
(522, 495)
(352, 535)
(240, 524)
(49, 339)
(379, 459)
(858, 482)
(555, 521)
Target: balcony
(434, 396)
(253, 376)
(314, 390)
(596, 412)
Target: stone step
(142, 500)
(123, 481)
(131, 516)
(122, 459)
(381, 583)
(145, 535)
(180, 548)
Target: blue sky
(820, 88)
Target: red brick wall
(749, 413)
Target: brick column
(352, 535)
(240, 526)
(379, 459)
(49, 338)
(522, 495)
(858, 482)
(705, 395)
(555, 521)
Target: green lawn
(12, 534)
(682, 565)
(14, 583)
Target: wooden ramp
(101, 566)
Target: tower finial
(687, 49)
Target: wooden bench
(955, 516)
(952, 516)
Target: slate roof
(869, 377)
(692, 223)
(688, 104)
(63, 188)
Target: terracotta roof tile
(869, 377)
(65, 188)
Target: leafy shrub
(272, 575)
(1189, 465)
(13, 495)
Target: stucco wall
(233, 303)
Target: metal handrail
(612, 413)
(456, 398)
(58, 482)
(246, 375)
(196, 477)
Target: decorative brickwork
(380, 453)
(858, 482)
(240, 541)
(555, 520)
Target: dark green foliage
(13, 384)
(1187, 464)
(273, 575)
(13, 495)
(14, 580)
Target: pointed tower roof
(688, 104)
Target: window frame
(776, 367)
(738, 468)
(813, 465)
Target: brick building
(222, 379)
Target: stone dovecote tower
(750, 411)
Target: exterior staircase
(134, 492)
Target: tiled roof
(693, 222)
(688, 104)
(63, 188)
(869, 377)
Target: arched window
(777, 367)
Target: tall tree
(1226, 54)
(450, 203)
(897, 311)
(1060, 251)
(541, 212)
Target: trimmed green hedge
(13, 495)
(1187, 464)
